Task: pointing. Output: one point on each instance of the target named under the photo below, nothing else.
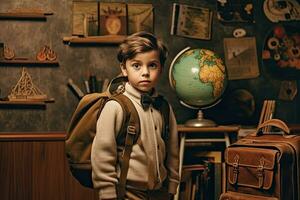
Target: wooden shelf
(106, 39)
(24, 15)
(24, 104)
(27, 62)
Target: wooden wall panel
(15, 170)
(48, 170)
(34, 167)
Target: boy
(141, 57)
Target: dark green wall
(27, 37)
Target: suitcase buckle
(235, 166)
(260, 172)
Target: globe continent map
(198, 77)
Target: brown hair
(141, 42)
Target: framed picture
(85, 18)
(191, 21)
(113, 19)
(140, 17)
(241, 58)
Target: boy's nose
(145, 71)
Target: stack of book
(92, 85)
(267, 113)
(197, 182)
(201, 176)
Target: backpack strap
(131, 127)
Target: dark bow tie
(147, 100)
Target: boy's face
(143, 71)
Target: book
(85, 18)
(197, 182)
(140, 17)
(113, 19)
(105, 84)
(93, 85)
(87, 86)
(75, 89)
(191, 21)
(210, 163)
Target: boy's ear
(123, 69)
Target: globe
(199, 79)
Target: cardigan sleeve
(172, 163)
(104, 150)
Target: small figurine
(46, 54)
(9, 54)
(25, 90)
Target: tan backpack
(82, 130)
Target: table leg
(181, 155)
(227, 139)
(227, 143)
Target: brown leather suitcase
(264, 165)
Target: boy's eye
(153, 65)
(135, 65)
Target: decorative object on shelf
(239, 32)
(281, 52)
(45, 57)
(241, 58)
(9, 54)
(235, 11)
(113, 19)
(140, 17)
(25, 13)
(191, 21)
(25, 90)
(46, 53)
(85, 18)
(199, 79)
(288, 90)
(108, 23)
(280, 11)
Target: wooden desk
(226, 134)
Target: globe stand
(200, 121)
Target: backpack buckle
(131, 130)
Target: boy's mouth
(144, 82)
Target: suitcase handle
(273, 122)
